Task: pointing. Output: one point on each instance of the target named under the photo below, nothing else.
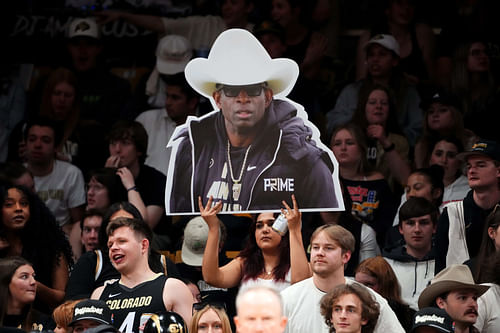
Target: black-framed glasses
(250, 89)
(200, 305)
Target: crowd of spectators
(411, 116)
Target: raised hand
(209, 212)
(293, 216)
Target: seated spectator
(210, 318)
(453, 289)
(90, 226)
(472, 81)
(63, 315)
(462, 221)
(128, 143)
(377, 274)
(16, 174)
(29, 230)
(444, 153)
(382, 61)
(331, 248)
(90, 313)
(416, 39)
(94, 267)
(425, 183)
(488, 319)
(413, 262)
(59, 184)
(490, 245)
(442, 118)
(432, 320)
(372, 199)
(268, 257)
(181, 102)
(387, 147)
(18, 289)
(351, 307)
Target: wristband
(133, 188)
(390, 148)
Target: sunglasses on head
(233, 91)
(200, 305)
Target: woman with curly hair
(28, 229)
(352, 305)
(268, 257)
(18, 289)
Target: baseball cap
(433, 317)
(84, 27)
(172, 54)
(269, 27)
(439, 96)
(387, 41)
(91, 309)
(195, 239)
(488, 148)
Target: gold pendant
(236, 191)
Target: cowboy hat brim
(430, 293)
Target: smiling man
(255, 150)
(454, 290)
(413, 262)
(139, 292)
(331, 248)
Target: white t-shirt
(160, 128)
(278, 285)
(62, 189)
(488, 309)
(302, 308)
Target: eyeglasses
(200, 305)
(233, 91)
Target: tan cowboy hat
(238, 58)
(451, 278)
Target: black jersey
(132, 307)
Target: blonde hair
(226, 326)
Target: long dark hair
(253, 260)
(487, 249)
(8, 267)
(112, 182)
(44, 242)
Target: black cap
(440, 96)
(433, 317)
(91, 309)
(269, 27)
(165, 322)
(488, 148)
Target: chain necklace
(236, 182)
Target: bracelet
(133, 188)
(390, 148)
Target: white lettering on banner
(426, 318)
(279, 184)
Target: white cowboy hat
(451, 278)
(238, 58)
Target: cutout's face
(259, 312)
(347, 314)
(243, 112)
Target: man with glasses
(253, 150)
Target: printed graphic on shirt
(364, 202)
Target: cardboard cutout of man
(257, 147)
